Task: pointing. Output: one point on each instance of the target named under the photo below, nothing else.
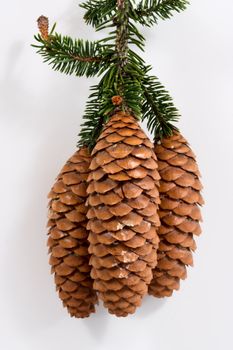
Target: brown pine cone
(179, 213)
(68, 245)
(123, 219)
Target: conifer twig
(125, 83)
(43, 25)
(122, 43)
(86, 59)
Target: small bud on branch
(117, 100)
(43, 25)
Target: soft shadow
(150, 306)
(97, 323)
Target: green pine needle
(158, 108)
(99, 12)
(149, 12)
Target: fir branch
(73, 56)
(124, 74)
(149, 11)
(100, 105)
(98, 108)
(158, 108)
(133, 95)
(93, 121)
(99, 12)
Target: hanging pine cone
(68, 245)
(123, 219)
(179, 213)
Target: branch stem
(122, 33)
(86, 59)
(122, 43)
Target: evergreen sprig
(73, 56)
(124, 74)
(99, 106)
(149, 12)
(158, 108)
(93, 120)
(99, 12)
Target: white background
(40, 114)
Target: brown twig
(87, 59)
(43, 25)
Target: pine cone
(67, 241)
(179, 213)
(123, 219)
